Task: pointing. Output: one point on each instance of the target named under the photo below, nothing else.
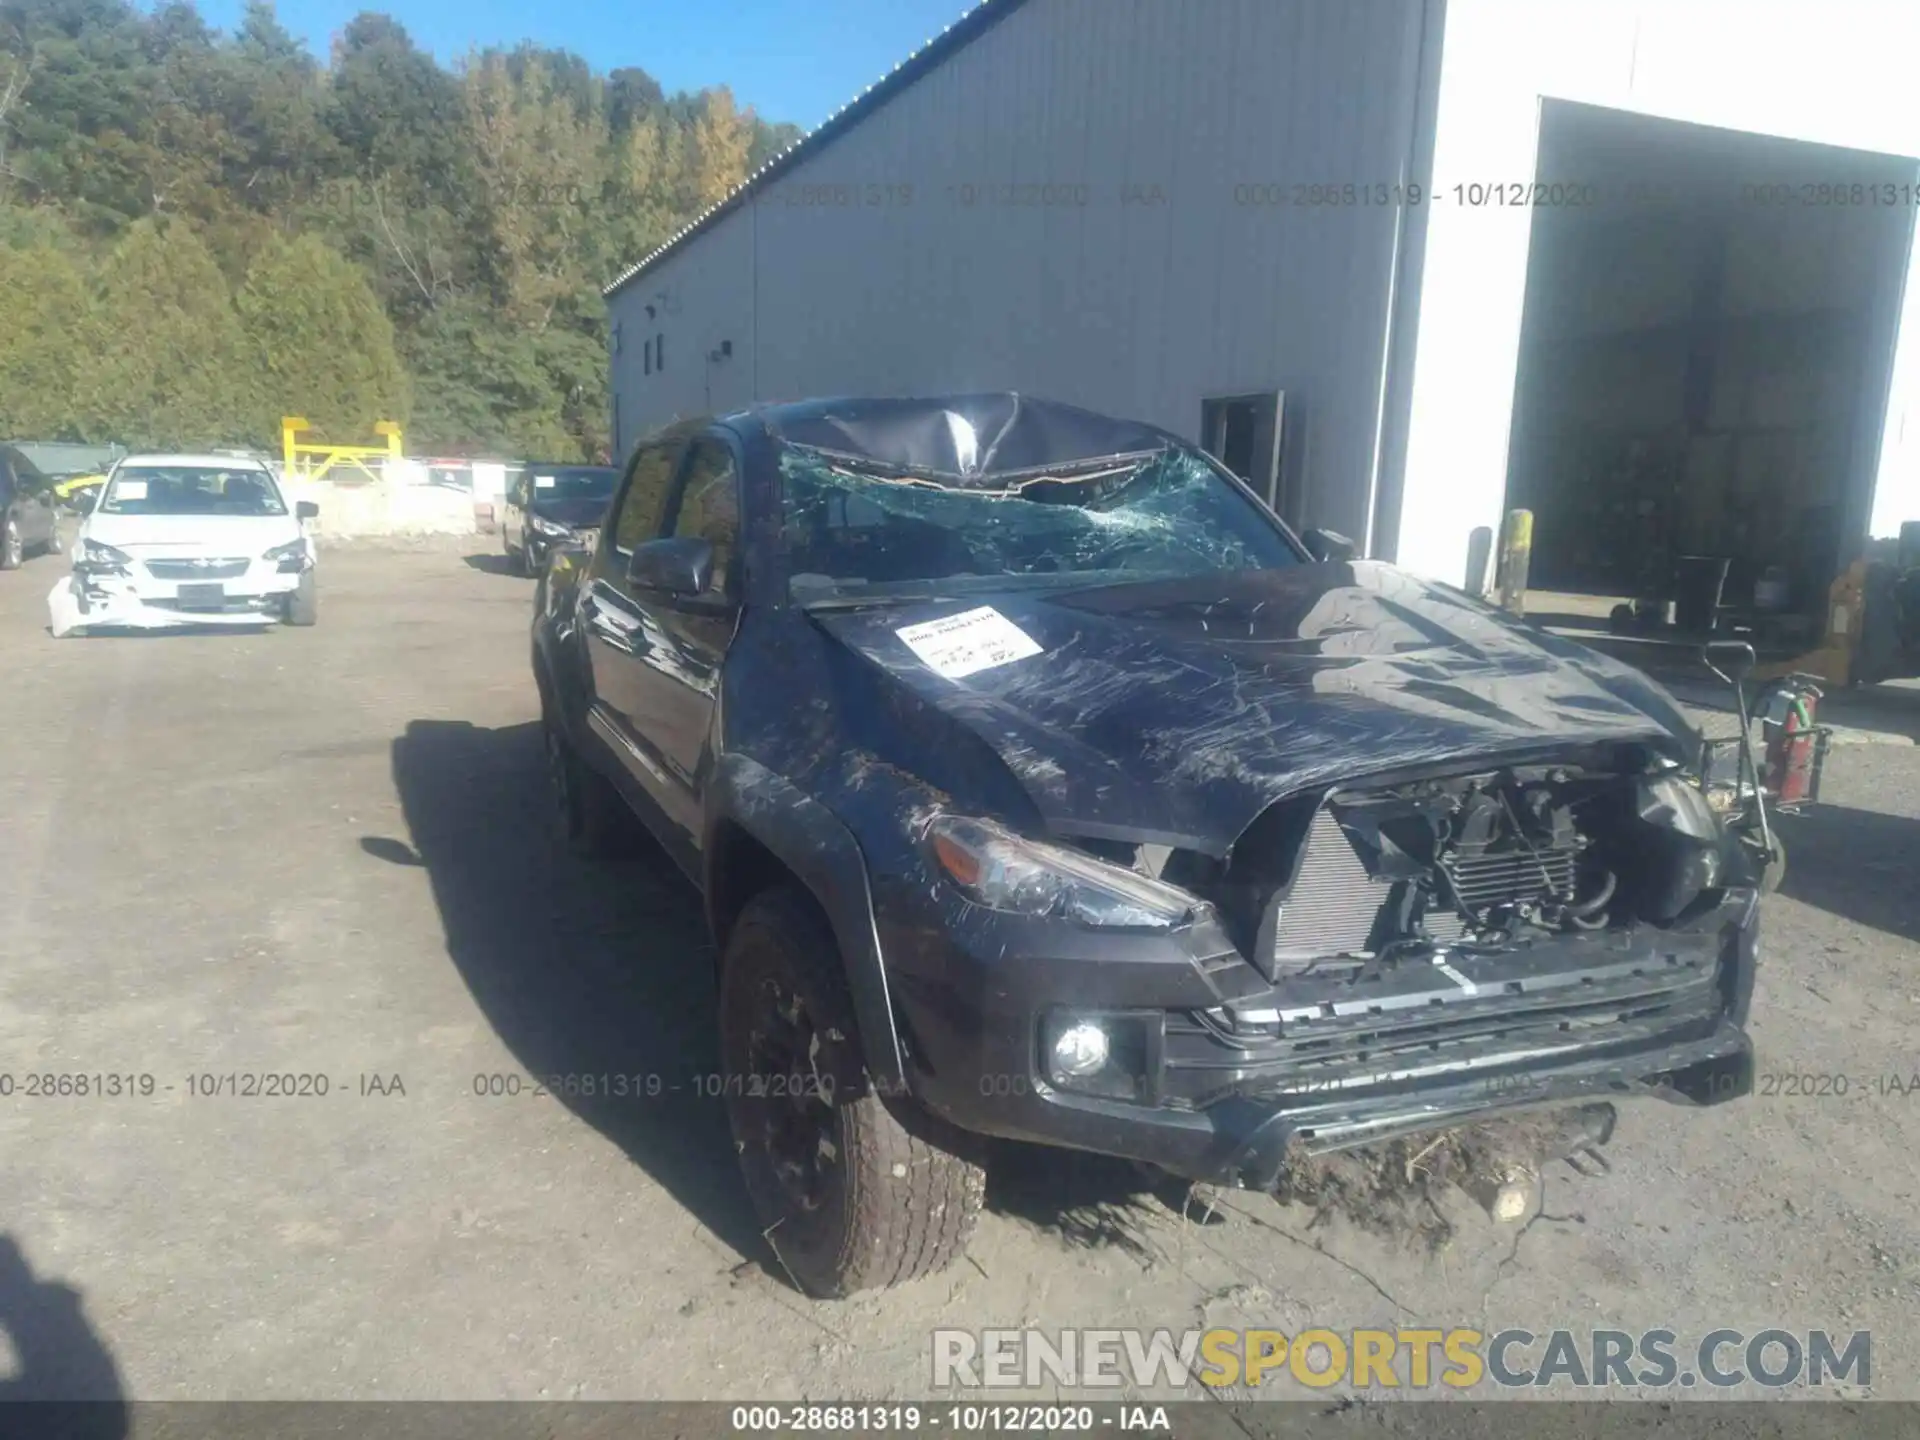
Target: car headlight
(545, 526)
(291, 558)
(102, 559)
(1675, 803)
(992, 866)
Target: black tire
(12, 551)
(303, 605)
(882, 1196)
(593, 821)
(1776, 870)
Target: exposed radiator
(1333, 903)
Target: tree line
(201, 232)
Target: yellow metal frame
(301, 455)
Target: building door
(1243, 432)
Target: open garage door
(1704, 362)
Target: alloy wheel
(794, 1099)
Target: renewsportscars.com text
(1401, 1359)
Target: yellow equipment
(310, 460)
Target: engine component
(1473, 858)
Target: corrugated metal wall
(1093, 201)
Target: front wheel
(303, 605)
(1776, 868)
(854, 1193)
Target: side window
(709, 507)
(645, 499)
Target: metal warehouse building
(1640, 265)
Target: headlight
(102, 558)
(1003, 871)
(291, 558)
(1676, 803)
(548, 527)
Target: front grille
(1398, 1027)
(197, 569)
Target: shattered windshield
(192, 490)
(1166, 515)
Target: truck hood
(1175, 712)
(189, 535)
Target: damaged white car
(189, 540)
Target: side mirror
(86, 500)
(306, 510)
(1328, 545)
(676, 565)
(1729, 659)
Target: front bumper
(92, 600)
(1235, 1074)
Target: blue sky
(796, 60)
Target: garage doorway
(1244, 433)
(1704, 362)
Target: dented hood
(1176, 711)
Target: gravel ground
(322, 853)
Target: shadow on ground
(583, 970)
(1856, 864)
(495, 564)
(60, 1358)
(606, 969)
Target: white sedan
(189, 540)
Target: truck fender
(817, 847)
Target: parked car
(547, 505)
(28, 524)
(184, 540)
(1042, 784)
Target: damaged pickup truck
(1041, 784)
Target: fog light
(1080, 1049)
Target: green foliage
(234, 230)
(171, 367)
(47, 337)
(319, 343)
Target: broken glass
(1167, 514)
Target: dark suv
(1041, 784)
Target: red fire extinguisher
(1795, 746)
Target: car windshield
(1166, 515)
(192, 490)
(573, 482)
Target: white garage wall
(1166, 286)
(1837, 72)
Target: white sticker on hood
(130, 490)
(543, 482)
(968, 642)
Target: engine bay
(1482, 860)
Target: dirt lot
(322, 853)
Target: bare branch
(428, 283)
